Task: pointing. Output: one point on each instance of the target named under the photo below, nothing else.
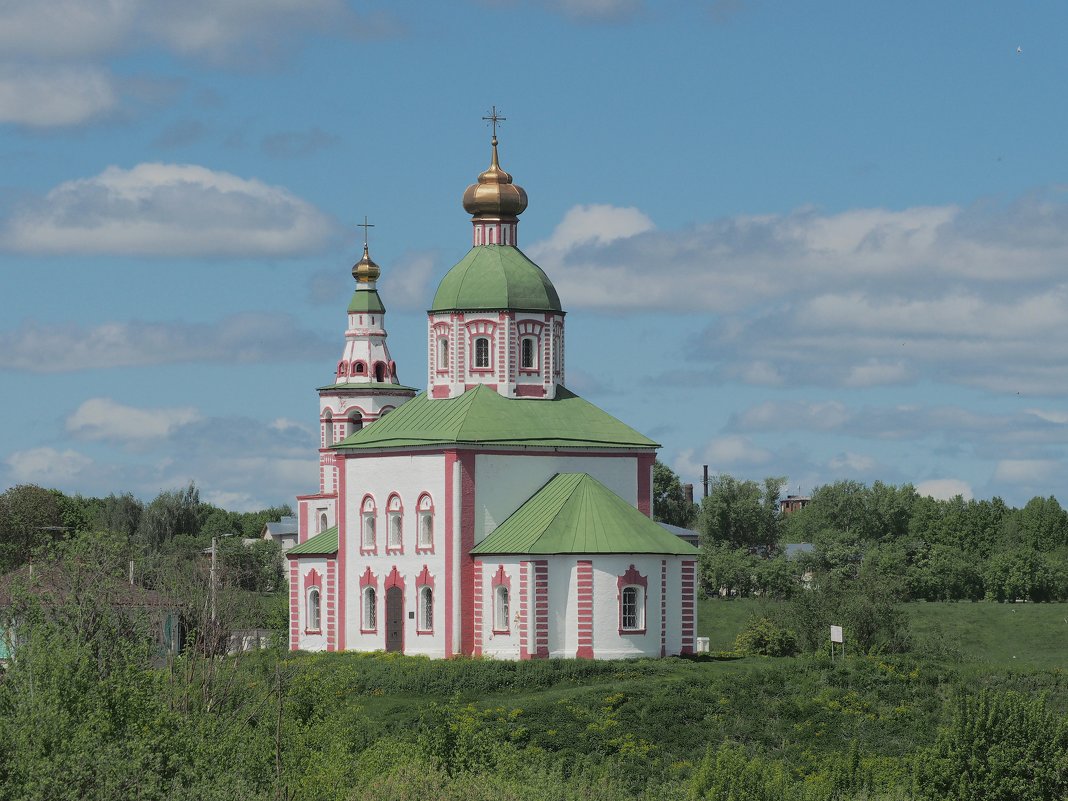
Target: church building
(497, 513)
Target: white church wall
(503, 482)
(409, 476)
(312, 640)
(563, 609)
(608, 642)
(501, 643)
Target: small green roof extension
(322, 544)
(496, 277)
(576, 513)
(482, 416)
(366, 301)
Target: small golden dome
(495, 195)
(365, 270)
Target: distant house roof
(280, 528)
(322, 544)
(684, 534)
(576, 513)
(794, 549)
(482, 416)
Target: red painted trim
(364, 511)
(529, 391)
(424, 579)
(663, 607)
(524, 588)
(461, 447)
(440, 391)
(312, 580)
(368, 579)
(331, 606)
(294, 606)
(466, 462)
(342, 548)
(541, 609)
(688, 616)
(478, 610)
(645, 483)
(450, 470)
(584, 608)
(391, 511)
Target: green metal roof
(362, 386)
(322, 544)
(576, 513)
(367, 301)
(481, 416)
(496, 277)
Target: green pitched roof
(481, 416)
(367, 301)
(496, 277)
(576, 513)
(322, 544)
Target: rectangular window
(630, 615)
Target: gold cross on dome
(494, 118)
(365, 225)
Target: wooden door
(395, 619)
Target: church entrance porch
(395, 619)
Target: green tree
(1044, 524)
(30, 517)
(119, 513)
(173, 512)
(669, 499)
(741, 514)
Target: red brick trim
(689, 619)
(368, 579)
(466, 462)
(541, 609)
(645, 483)
(663, 607)
(294, 606)
(331, 606)
(501, 579)
(478, 610)
(524, 588)
(584, 595)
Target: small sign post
(836, 637)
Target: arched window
(527, 357)
(359, 368)
(500, 608)
(313, 609)
(355, 422)
(342, 368)
(482, 358)
(632, 609)
(426, 609)
(380, 372)
(368, 517)
(323, 522)
(394, 516)
(328, 428)
(370, 609)
(443, 354)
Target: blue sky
(819, 240)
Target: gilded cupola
(494, 195)
(365, 271)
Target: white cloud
(48, 467)
(792, 416)
(168, 210)
(104, 419)
(944, 489)
(406, 283)
(243, 338)
(852, 462)
(875, 373)
(1025, 471)
(42, 97)
(725, 453)
(596, 10)
(596, 224)
(65, 29)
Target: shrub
(763, 637)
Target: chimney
(687, 490)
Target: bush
(763, 637)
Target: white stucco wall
(504, 482)
(311, 642)
(503, 645)
(380, 476)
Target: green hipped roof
(366, 301)
(576, 513)
(496, 277)
(481, 416)
(322, 544)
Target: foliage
(669, 499)
(30, 517)
(764, 637)
(741, 514)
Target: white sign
(836, 634)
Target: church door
(394, 619)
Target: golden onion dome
(365, 270)
(495, 195)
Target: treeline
(917, 547)
(175, 525)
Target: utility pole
(211, 590)
(705, 480)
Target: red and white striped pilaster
(585, 609)
(478, 607)
(663, 607)
(294, 606)
(331, 605)
(524, 588)
(541, 609)
(688, 606)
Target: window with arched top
(426, 609)
(528, 354)
(367, 519)
(380, 372)
(323, 522)
(359, 368)
(394, 519)
(342, 368)
(482, 352)
(443, 354)
(632, 609)
(500, 608)
(424, 538)
(370, 609)
(355, 422)
(314, 612)
(328, 429)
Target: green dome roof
(496, 277)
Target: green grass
(999, 635)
